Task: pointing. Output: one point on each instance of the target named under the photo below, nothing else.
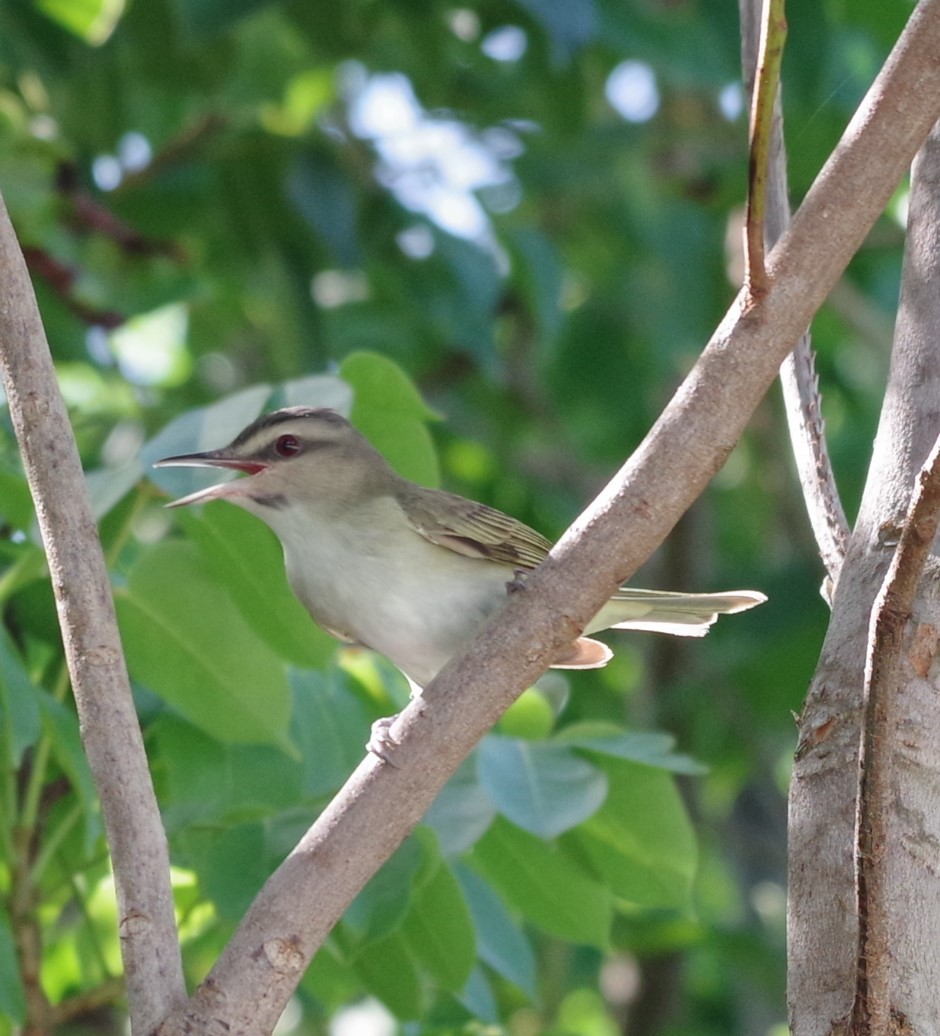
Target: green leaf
(12, 997)
(477, 996)
(439, 930)
(461, 812)
(641, 842)
(381, 906)
(204, 428)
(188, 643)
(390, 413)
(211, 17)
(205, 781)
(501, 942)
(91, 20)
(652, 747)
(247, 560)
(545, 883)
(60, 724)
(16, 504)
(19, 705)
(330, 727)
(234, 869)
(541, 787)
(389, 971)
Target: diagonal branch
(109, 725)
(247, 989)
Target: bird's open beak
(211, 459)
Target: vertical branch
(873, 1008)
(110, 732)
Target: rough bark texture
(109, 727)
(823, 913)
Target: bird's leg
(518, 581)
(381, 742)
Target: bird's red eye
(287, 446)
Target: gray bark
(826, 965)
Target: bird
(410, 572)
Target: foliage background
(463, 224)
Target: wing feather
(473, 529)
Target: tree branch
(798, 378)
(295, 910)
(873, 1007)
(109, 725)
(823, 919)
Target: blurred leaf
(542, 788)
(640, 843)
(234, 869)
(323, 196)
(381, 906)
(545, 884)
(439, 931)
(195, 431)
(12, 997)
(389, 972)
(108, 486)
(204, 781)
(60, 724)
(19, 703)
(16, 504)
(568, 26)
(92, 20)
(211, 17)
(187, 642)
(330, 726)
(461, 812)
(640, 746)
(501, 943)
(477, 996)
(247, 561)
(390, 413)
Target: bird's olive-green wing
(473, 529)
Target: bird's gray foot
(381, 742)
(517, 582)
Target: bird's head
(293, 456)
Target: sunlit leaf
(187, 641)
(389, 411)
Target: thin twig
(798, 378)
(109, 727)
(764, 101)
(871, 1011)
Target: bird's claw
(381, 743)
(517, 582)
